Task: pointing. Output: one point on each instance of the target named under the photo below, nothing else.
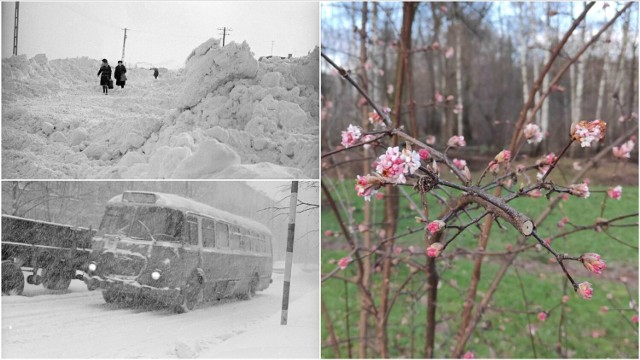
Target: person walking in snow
(155, 72)
(119, 74)
(105, 70)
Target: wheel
(12, 279)
(190, 294)
(54, 277)
(251, 289)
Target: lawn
(503, 332)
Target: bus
(163, 248)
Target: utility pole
(15, 31)
(293, 202)
(124, 42)
(225, 30)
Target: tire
(251, 289)
(12, 279)
(190, 294)
(53, 277)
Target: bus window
(208, 233)
(222, 235)
(245, 243)
(236, 239)
(192, 230)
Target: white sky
(163, 32)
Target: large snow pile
(225, 115)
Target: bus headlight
(155, 275)
(93, 267)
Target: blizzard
(225, 114)
(77, 323)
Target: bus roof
(182, 203)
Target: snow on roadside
(225, 115)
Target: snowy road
(77, 323)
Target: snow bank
(225, 115)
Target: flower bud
(434, 249)
(436, 226)
(503, 156)
(585, 290)
(593, 263)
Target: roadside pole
(287, 267)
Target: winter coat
(120, 70)
(106, 74)
(155, 73)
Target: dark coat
(120, 70)
(105, 70)
(155, 72)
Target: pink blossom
(565, 299)
(436, 226)
(450, 98)
(542, 171)
(448, 52)
(550, 158)
(363, 228)
(438, 97)
(379, 196)
(342, 263)
(532, 133)
(444, 8)
(458, 108)
(430, 140)
(435, 46)
(424, 154)
(580, 190)
(508, 247)
(536, 193)
(503, 156)
(398, 250)
(351, 136)
(434, 250)
(624, 151)
(542, 316)
(634, 319)
(565, 197)
(585, 290)
(328, 233)
(460, 164)
(366, 139)
(368, 185)
(456, 141)
(564, 221)
(577, 166)
(557, 88)
(468, 355)
(593, 263)
(395, 164)
(604, 309)
(375, 118)
(588, 132)
(615, 193)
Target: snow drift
(225, 115)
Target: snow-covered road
(77, 323)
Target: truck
(51, 252)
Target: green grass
(504, 334)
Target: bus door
(191, 253)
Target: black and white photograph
(160, 90)
(160, 269)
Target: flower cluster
(377, 119)
(532, 133)
(585, 290)
(580, 190)
(624, 151)
(460, 164)
(593, 263)
(456, 141)
(368, 185)
(588, 132)
(395, 164)
(503, 156)
(351, 136)
(615, 193)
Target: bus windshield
(164, 224)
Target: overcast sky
(163, 33)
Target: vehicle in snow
(52, 252)
(163, 248)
